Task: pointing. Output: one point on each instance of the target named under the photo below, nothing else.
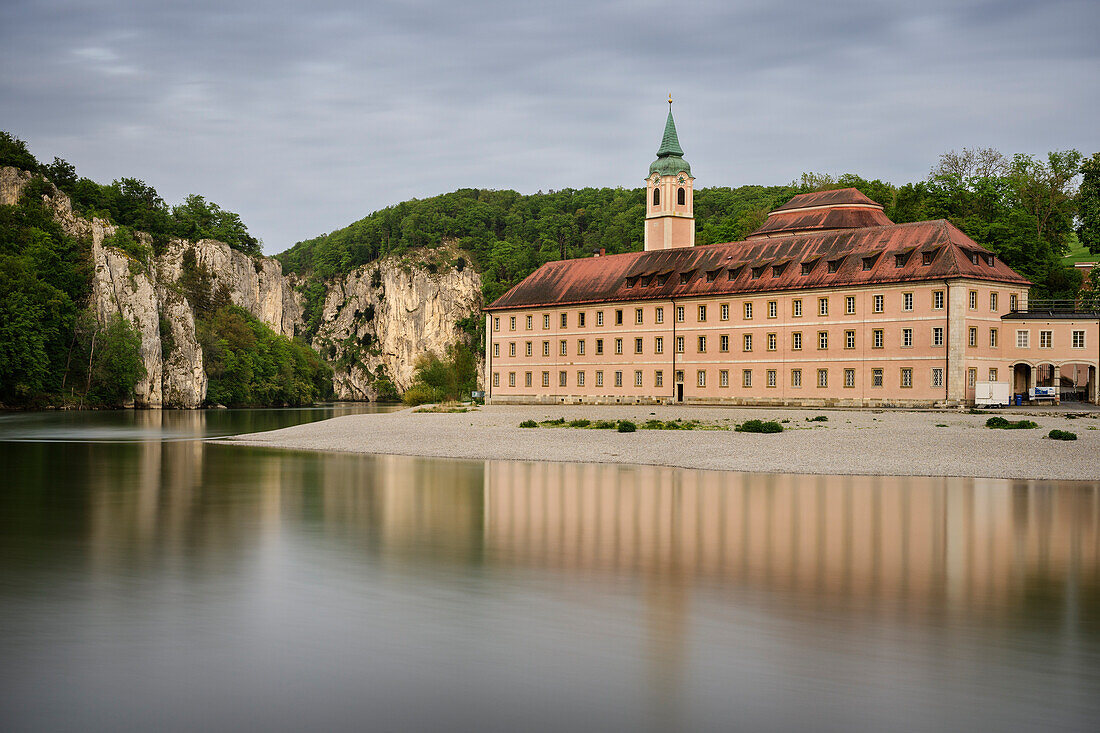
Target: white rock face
(124, 286)
(184, 375)
(257, 285)
(389, 319)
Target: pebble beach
(861, 442)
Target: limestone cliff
(381, 317)
(376, 322)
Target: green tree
(1088, 204)
(13, 152)
(117, 366)
(448, 378)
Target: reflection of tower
(669, 220)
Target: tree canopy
(133, 203)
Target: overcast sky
(306, 118)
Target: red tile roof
(625, 277)
(845, 208)
(796, 222)
(838, 197)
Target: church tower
(669, 220)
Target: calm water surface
(150, 581)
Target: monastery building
(828, 303)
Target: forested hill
(1022, 208)
(510, 234)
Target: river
(153, 581)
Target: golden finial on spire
(670, 100)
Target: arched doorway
(1021, 379)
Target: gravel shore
(870, 442)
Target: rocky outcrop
(376, 321)
(381, 317)
(253, 283)
(184, 374)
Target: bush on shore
(1001, 423)
(759, 426)
(1057, 434)
(528, 424)
(625, 426)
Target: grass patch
(759, 426)
(817, 418)
(446, 408)
(582, 423)
(557, 422)
(625, 426)
(1061, 435)
(1001, 423)
(528, 424)
(602, 425)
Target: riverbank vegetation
(249, 365)
(447, 378)
(53, 349)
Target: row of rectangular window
(770, 377)
(878, 306)
(878, 341)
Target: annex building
(828, 303)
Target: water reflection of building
(924, 540)
(856, 535)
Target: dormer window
(808, 267)
(834, 265)
(631, 281)
(646, 281)
(734, 272)
(758, 271)
(974, 258)
(900, 260)
(685, 277)
(712, 275)
(990, 259)
(927, 257)
(662, 279)
(777, 270)
(869, 262)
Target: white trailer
(988, 394)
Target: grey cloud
(304, 119)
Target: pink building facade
(828, 303)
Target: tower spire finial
(670, 101)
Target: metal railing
(1085, 307)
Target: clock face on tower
(656, 178)
(681, 178)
